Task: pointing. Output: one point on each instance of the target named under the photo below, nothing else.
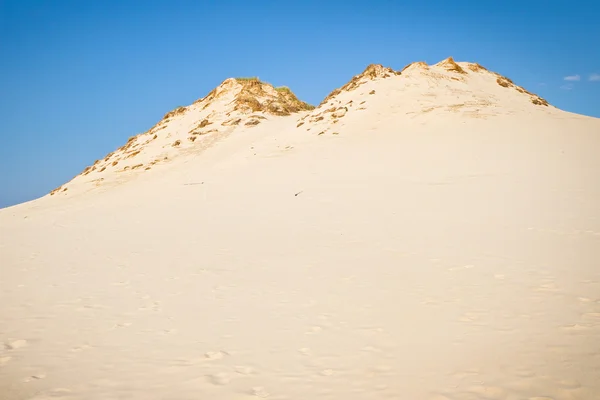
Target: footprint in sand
(122, 325)
(242, 370)
(576, 328)
(548, 286)
(219, 379)
(259, 391)
(15, 344)
(215, 355)
(488, 392)
(305, 351)
(34, 377)
(313, 330)
(461, 267)
(592, 317)
(371, 349)
(569, 384)
(82, 347)
(439, 397)
(53, 394)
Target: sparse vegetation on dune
(251, 101)
(507, 83)
(373, 71)
(283, 89)
(247, 79)
(177, 111)
(285, 103)
(421, 64)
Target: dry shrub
(476, 67)
(504, 82)
(252, 122)
(211, 95)
(135, 153)
(372, 92)
(300, 124)
(103, 168)
(115, 163)
(204, 123)
(177, 111)
(176, 143)
(450, 65)
(137, 166)
(54, 191)
(372, 71)
(192, 138)
(419, 63)
(232, 122)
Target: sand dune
(435, 235)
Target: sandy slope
(414, 255)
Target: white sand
(444, 254)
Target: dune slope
(427, 238)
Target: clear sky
(78, 77)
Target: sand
(435, 255)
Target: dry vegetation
(203, 123)
(54, 191)
(372, 71)
(450, 65)
(175, 112)
(247, 79)
(504, 82)
(133, 154)
(507, 83)
(538, 101)
(176, 143)
(284, 103)
(476, 67)
(232, 122)
(417, 63)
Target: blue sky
(77, 78)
